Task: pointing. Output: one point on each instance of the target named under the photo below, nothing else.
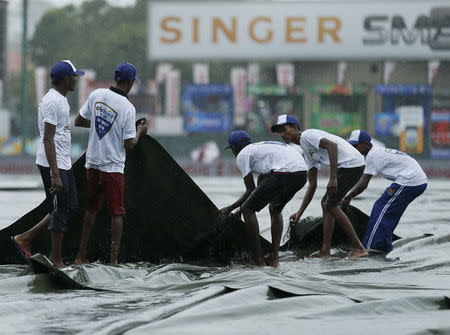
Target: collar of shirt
(115, 90)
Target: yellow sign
(411, 129)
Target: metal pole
(24, 115)
(3, 5)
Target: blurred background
(208, 67)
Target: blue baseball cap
(359, 136)
(282, 120)
(63, 69)
(238, 138)
(126, 71)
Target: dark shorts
(107, 186)
(346, 179)
(277, 189)
(62, 205)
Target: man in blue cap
(346, 166)
(111, 119)
(53, 161)
(409, 182)
(283, 172)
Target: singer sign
(293, 30)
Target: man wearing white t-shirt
(346, 166)
(111, 118)
(54, 163)
(284, 171)
(409, 182)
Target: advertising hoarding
(206, 122)
(411, 120)
(440, 133)
(386, 124)
(173, 86)
(200, 73)
(239, 83)
(208, 108)
(299, 30)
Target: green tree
(99, 36)
(94, 35)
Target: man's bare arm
(130, 143)
(50, 153)
(249, 186)
(310, 191)
(360, 186)
(332, 149)
(82, 122)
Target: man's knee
(246, 212)
(329, 208)
(274, 210)
(89, 216)
(333, 210)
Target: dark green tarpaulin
(168, 215)
(169, 218)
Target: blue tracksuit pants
(386, 214)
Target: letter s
(379, 34)
(176, 33)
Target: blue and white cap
(126, 71)
(359, 136)
(282, 120)
(238, 138)
(63, 69)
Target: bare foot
(246, 261)
(259, 261)
(59, 265)
(357, 253)
(82, 261)
(22, 243)
(320, 254)
(270, 261)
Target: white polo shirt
(315, 156)
(394, 165)
(264, 157)
(54, 109)
(112, 122)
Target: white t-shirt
(264, 157)
(112, 122)
(394, 165)
(348, 156)
(296, 147)
(54, 109)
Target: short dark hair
(56, 82)
(244, 143)
(118, 82)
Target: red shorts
(104, 185)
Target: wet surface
(406, 292)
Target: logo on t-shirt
(396, 152)
(104, 118)
(317, 156)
